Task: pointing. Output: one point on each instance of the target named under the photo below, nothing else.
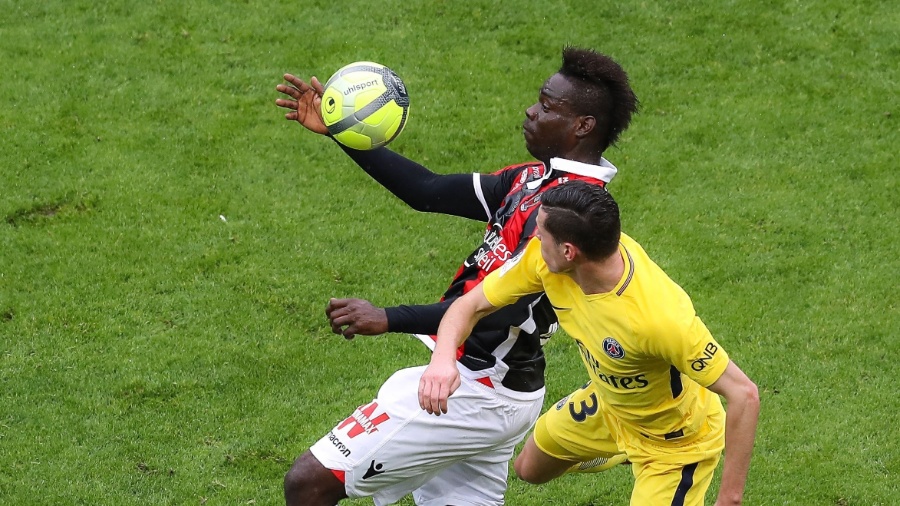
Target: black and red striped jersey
(511, 198)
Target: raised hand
(304, 103)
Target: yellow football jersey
(647, 352)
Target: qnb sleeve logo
(363, 421)
(709, 352)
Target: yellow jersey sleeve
(695, 352)
(518, 277)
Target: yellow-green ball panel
(353, 139)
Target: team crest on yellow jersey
(613, 348)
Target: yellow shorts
(577, 430)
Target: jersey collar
(604, 172)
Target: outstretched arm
(418, 187)
(742, 415)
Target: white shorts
(391, 447)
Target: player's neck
(596, 277)
(583, 153)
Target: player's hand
(349, 317)
(438, 382)
(304, 102)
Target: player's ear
(570, 251)
(584, 125)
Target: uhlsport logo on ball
(365, 105)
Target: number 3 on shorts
(584, 410)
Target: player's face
(549, 123)
(553, 253)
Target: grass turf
(168, 242)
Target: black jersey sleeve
(425, 319)
(416, 319)
(417, 186)
(496, 186)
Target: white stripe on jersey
(479, 192)
(529, 326)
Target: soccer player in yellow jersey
(656, 372)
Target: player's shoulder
(534, 165)
(509, 180)
(660, 295)
(522, 172)
(529, 257)
(630, 244)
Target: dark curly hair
(604, 92)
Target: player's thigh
(575, 429)
(390, 447)
(479, 480)
(678, 485)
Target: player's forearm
(416, 319)
(419, 187)
(458, 322)
(426, 318)
(740, 432)
(455, 327)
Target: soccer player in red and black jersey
(390, 447)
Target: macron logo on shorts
(363, 421)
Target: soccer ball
(365, 105)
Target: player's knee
(528, 472)
(294, 481)
(309, 482)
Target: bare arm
(742, 415)
(441, 378)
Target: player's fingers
(341, 316)
(422, 392)
(337, 323)
(436, 398)
(316, 85)
(430, 403)
(340, 321)
(443, 397)
(335, 308)
(289, 91)
(330, 307)
(428, 398)
(337, 303)
(287, 104)
(296, 81)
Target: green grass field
(168, 242)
